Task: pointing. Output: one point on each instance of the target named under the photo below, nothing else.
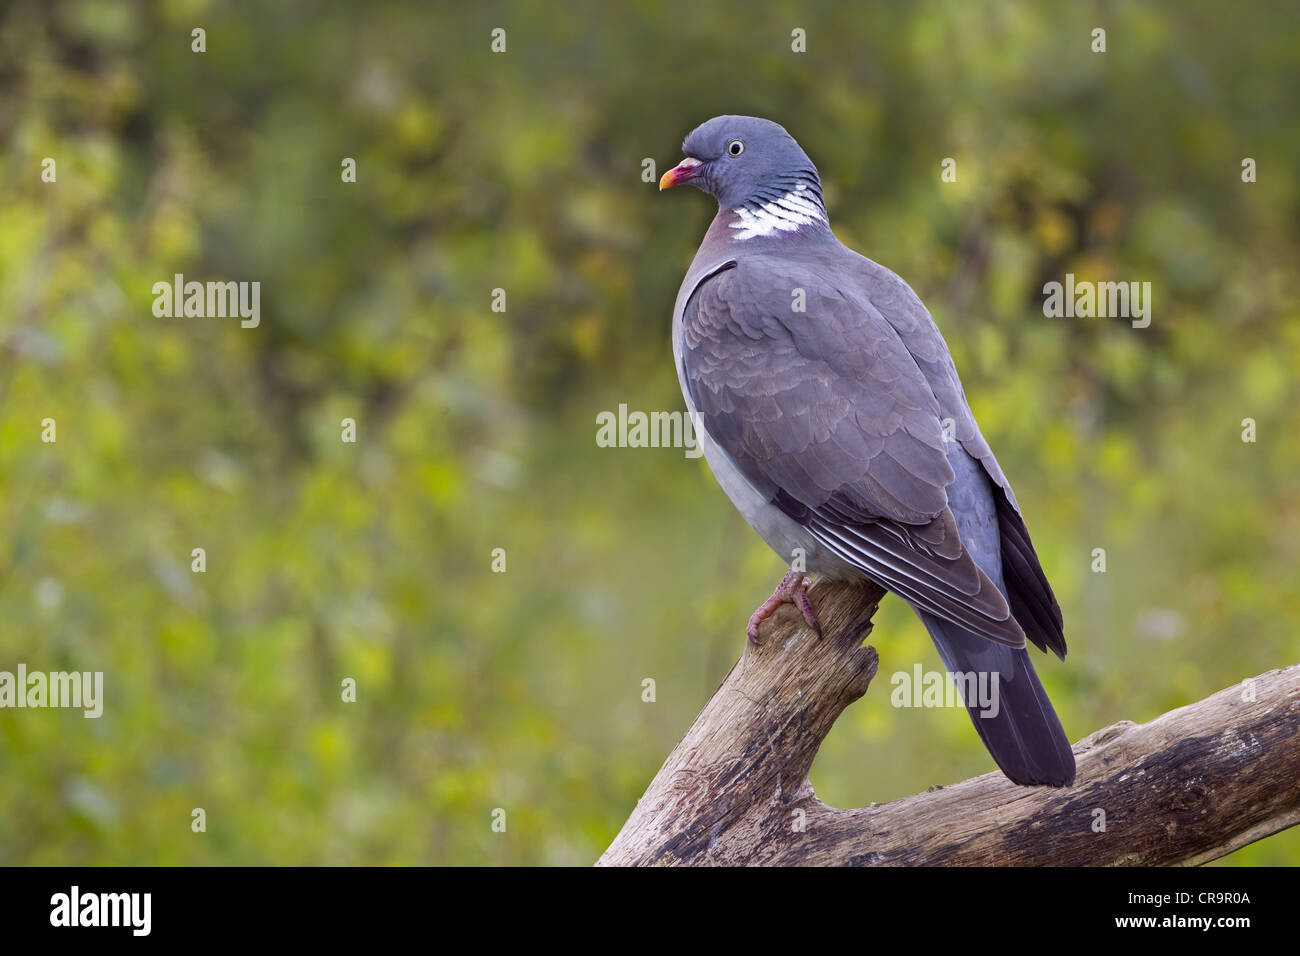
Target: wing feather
(836, 422)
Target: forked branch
(1188, 787)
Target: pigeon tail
(1016, 720)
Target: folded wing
(834, 420)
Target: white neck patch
(784, 215)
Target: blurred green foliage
(522, 171)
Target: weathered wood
(1186, 788)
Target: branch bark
(1188, 787)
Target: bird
(830, 412)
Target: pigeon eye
(736, 147)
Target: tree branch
(1188, 787)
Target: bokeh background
(476, 429)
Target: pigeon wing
(1033, 603)
(824, 410)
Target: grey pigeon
(842, 430)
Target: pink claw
(791, 590)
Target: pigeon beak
(684, 171)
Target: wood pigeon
(831, 414)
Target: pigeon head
(750, 164)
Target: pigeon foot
(792, 590)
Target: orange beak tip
(688, 168)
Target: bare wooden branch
(1188, 787)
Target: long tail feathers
(1020, 730)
